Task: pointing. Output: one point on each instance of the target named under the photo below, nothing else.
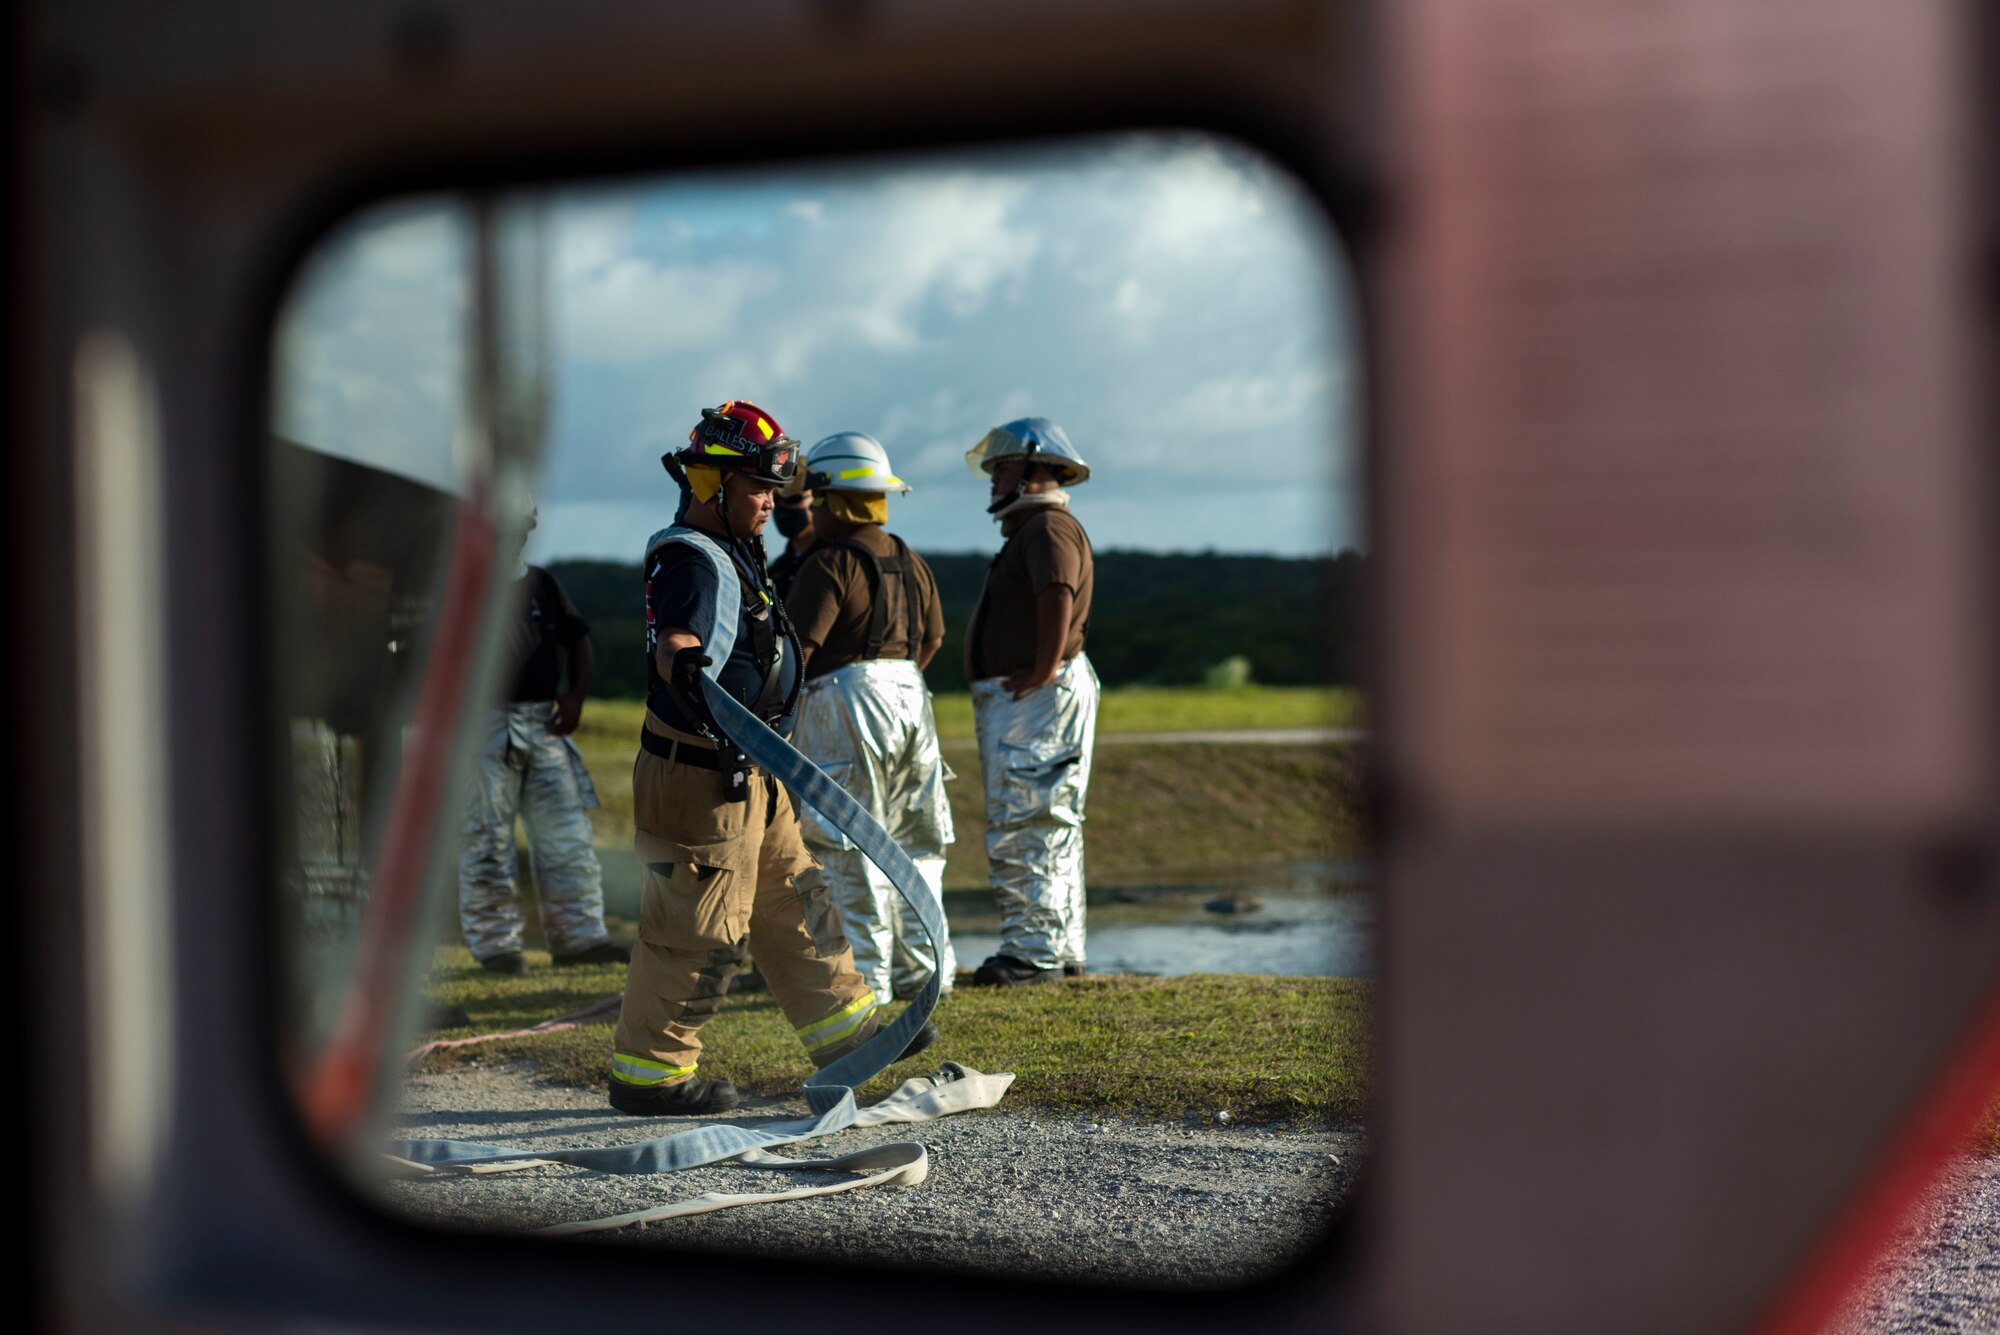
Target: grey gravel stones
(1186, 1205)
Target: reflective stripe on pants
(713, 874)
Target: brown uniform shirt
(829, 603)
(1048, 548)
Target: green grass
(1288, 1050)
(1263, 1048)
(1161, 813)
(1129, 709)
(1157, 813)
(1156, 810)
(1191, 709)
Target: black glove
(688, 664)
(684, 685)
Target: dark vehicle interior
(1677, 413)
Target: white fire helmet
(851, 461)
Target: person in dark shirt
(721, 859)
(1034, 700)
(529, 767)
(868, 619)
(793, 519)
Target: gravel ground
(1112, 1201)
(1944, 1273)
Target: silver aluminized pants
(869, 726)
(1035, 754)
(527, 770)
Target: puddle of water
(1326, 935)
(1317, 920)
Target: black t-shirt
(681, 591)
(545, 621)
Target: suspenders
(878, 610)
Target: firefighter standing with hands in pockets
(1034, 700)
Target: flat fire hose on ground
(830, 1091)
(595, 1013)
(953, 1089)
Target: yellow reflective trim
(866, 470)
(858, 1011)
(765, 427)
(894, 481)
(631, 1069)
(830, 1039)
(714, 448)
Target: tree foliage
(1155, 620)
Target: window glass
(1107, 390)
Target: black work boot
(922, 1039)
(1006, 971)
(692, 1095)
(604, 952)
(443, 1015)
(511, 964)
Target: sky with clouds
(1173, 301)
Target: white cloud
(403, 246)
(592, 235)
(1137, 308)
(928, 438)
(634, 310)
(867, 276)
(920, 240)
(1209, 198)
(1253, 402)
(1154, 295)
(970, 242)
(953, 238)
(371, 348)
(1247, 419)
(1015, 403)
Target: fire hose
(829, 1092)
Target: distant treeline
(1158, 620)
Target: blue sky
(1172, 301)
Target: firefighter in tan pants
(720, 852)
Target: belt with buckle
(684, 753)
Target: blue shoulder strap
(718, 639)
